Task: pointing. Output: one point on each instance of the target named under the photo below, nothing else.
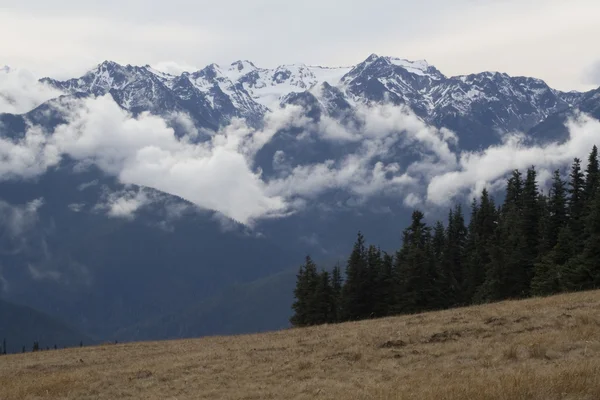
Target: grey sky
(550, 39)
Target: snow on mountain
(477, 103)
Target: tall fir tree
(576, 202)
(386, 296)
(592, 176)
(355, 296)
(323, 300)
(336, 284)
(557, 206)
(481, 233)
(415, 268)
(304, 305)
(585, 270)
(454, 258)
(530, 225)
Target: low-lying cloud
(388, 150)
(481, 169)
(21, 92)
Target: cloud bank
(21, 92)
(387, 150)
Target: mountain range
(473, 105)
(130, 258)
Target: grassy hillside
(534, 349)
(21, 326)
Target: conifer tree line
(533, 244)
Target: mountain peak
(108, 65)
(241, 65)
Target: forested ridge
(533, 244)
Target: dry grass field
(534, 349)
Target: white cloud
(21, 92)
(479, 169)
(390, 151)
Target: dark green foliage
(481, 233)
(415, 268)
(592, 175)
(306, 284)
(557, 207)
(355, 294)
(36, 346)
(453, 260)
(534, 244)
(576, 201)
(336, 286)
(385, 296)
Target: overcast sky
(555, 40)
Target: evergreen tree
(592, 176)
(336, 284)
(550, 270)
(584, 272)
(530, 225)
(557, 207)
(415, 268)
(481, 233)
(4, 346)
(454, 259)
(323, 301)
(509, 272)
(355, 298)
(576, 203)
(386, 297)
(372, 292)
(304, 304)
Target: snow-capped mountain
(472, 105)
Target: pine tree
(323, 301)
(509, 271)
(550, 273)
(557, 206)
(454, 259)
(530, 224)
(585, 271)
(304, 305)
(386, 297)
(576, 199)
(4, 346)
(592, 176)
(481, 233)
(354, 293)
(415, 267)
(336, 284)
(372, 291)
